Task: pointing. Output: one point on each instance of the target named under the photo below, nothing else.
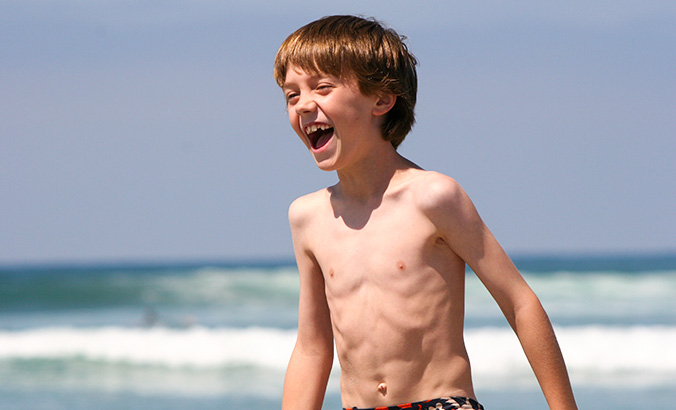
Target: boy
(382, 253)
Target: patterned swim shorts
(443, 403)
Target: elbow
(316, 348)
(529, 309)
(319, 359)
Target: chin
(327, 164)
(326, 160)
(326, 167)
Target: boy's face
(331, 116)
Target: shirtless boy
(382, 253)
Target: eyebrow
(288, 86)
(292, 84)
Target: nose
(305, 105)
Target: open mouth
(319, 134)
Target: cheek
(295, 124)
(293, 120)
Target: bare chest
(390, 251)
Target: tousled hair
(352, 47)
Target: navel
(382, 389)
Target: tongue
(323, 138)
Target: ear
(384, 104)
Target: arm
(467, 235)
(312, 357)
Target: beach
(219, 335)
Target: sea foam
(594, 354)
(197, 347)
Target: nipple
(401, 265)
(331, 272)
(382, 389)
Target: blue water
(218, 335)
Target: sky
(148, 130)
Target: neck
(370, 177)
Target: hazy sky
(153, 130)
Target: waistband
(442, 403)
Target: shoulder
(433, 190)
(304, 218)
(444, 202)
(303, 208)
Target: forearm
(306, 379)
(539, 343)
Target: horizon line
(523, 260)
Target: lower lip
(324, 145)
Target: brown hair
(362, 49)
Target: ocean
(219, 335)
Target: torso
(395, 291)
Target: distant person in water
(382, 253)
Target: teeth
(315, 127)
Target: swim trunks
(442, 403)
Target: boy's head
(352, 47)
